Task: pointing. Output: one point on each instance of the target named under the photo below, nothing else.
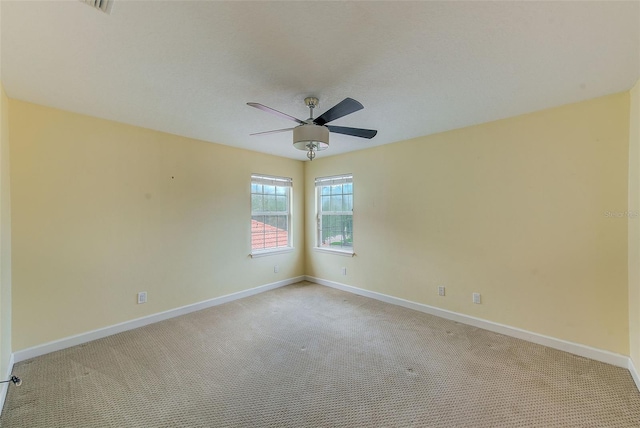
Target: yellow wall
(514, 209)
(5, 237)
(634, 226)
(102, 210)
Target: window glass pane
(336, 203)
(282, 223)
(336, 190)
(326, 202)
(270, 239)
(270, 202)
(281, 203)
(281, 190)
(347, 203)
(256, 203)
(326, 190)
(269, 190)
(271, 220)
(257, 232)
(347, 188)
(337, 231)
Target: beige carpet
(310, 356)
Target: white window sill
(338, 252)
(271, 252)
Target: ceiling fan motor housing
(310, 136)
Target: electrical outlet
(276, 269)
(476, 298)
(344, 270)
(142, 297)
(441, 290)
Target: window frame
(270, 180)
(321, 182)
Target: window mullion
(337, 212)
(254, 213)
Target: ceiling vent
(103, 5)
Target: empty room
(319, 214)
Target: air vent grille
(103, 5)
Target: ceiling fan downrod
(311, 102)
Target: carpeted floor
(311, 356)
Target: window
(335, 213)
(270, 213)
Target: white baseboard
(634, 373)
(562, 345)
(552, 342)
(5, 386)
(78, 339)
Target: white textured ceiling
(189, 68)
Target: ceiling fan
(312, 135)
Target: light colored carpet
(310, 356)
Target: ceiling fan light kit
(312, 135)
(311, 138)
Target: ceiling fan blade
(276, 112)
(356, 132)
(343, 108)
(272, 132)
